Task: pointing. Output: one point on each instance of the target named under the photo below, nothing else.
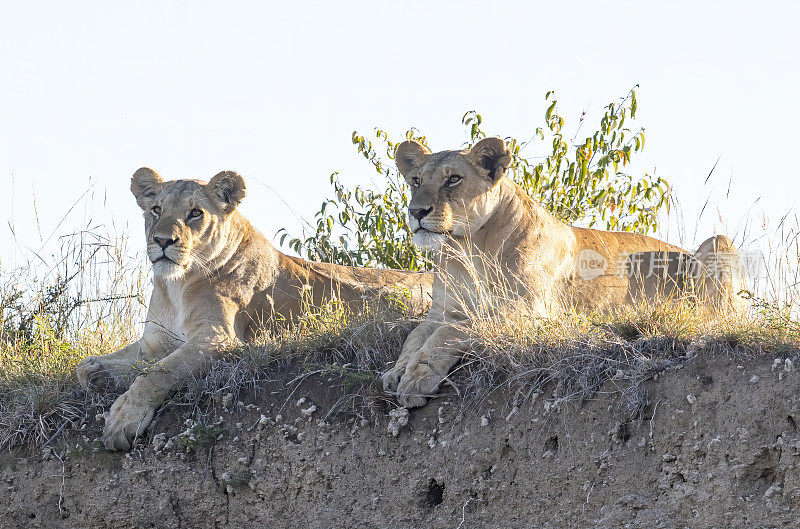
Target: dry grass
(90, 300)
(346, 348)
(521, 354)
(577, 354)
(86, 298)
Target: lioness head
(186, 222)
(453, 193)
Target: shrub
(581, 182)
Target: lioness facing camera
(216, 279)
(482, 225)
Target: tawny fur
(216, 281)
(484, 227)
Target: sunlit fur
(201, 240)
(496, 246)
(215, 285)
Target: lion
(469, 213)
(216, 280)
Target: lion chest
(175, 312)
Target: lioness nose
(420, 213)
(164, 242)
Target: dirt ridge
(717, 446)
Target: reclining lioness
(216, 279)
(478, 221)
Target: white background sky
(91, 91)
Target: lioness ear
(491, 155)
(410, 156)
(145, 186)
(227, 188)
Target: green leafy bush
(581, 182)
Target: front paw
(128, 419)
(391, 379)
(418, 383)
(92, 372)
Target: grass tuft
(93, 304)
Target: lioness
(464, 207)
(216, 278)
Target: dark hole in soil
(433, 495)
(705, 379)
(551, 444)
(624, 432)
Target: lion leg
(115, 370)
(414, 341)
(723, 276)
(109, 371)
(430, 365)
(132, 412)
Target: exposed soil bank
(718, 447)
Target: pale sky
(90, 91)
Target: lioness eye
(156, 210)
(415, 181)
(195, 213)
(453, 180)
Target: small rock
(754, 379)
(788, 366)
(484, 421)
(691, 398)
(669, 458)
(159, 441)
(772, 491)
(776, 364)
(301, 401)
(398, 418)
(226, 400)
(308, 411)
